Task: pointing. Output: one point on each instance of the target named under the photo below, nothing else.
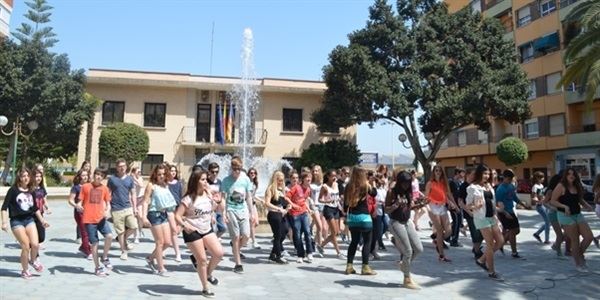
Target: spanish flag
(229, 124)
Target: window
(462, 137)
(524, 16)
(532, 94)
(565, 3)
(547, 7)
(588, 121)
(292, 119)
(112, 112)
(154, 114)
(526, 52)
(476, 5)
(109, 165)
(506, 20)
(150, 162)
(482, 137)
(531, 129)
(551, 82)
(444, 144)
(557, 124)
(546, 44)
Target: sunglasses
(252, 173)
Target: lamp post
(16, 131)
(428, 136)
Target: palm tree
(582, 54)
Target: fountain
(246, 99)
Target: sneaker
(255, 245)
(309, 259)
(582, 269)
(107, 264)
(238, 269)
(299, 260)
(136, 240)
(517, 256)
(341, 256)
(597, 242)
(26, 275)
(178, 258)
(280, 260)
(78, 241)
(444, 259)
(150, 263)
(100, 272)
(37, 265)
(128, 246)
(375, 256)
(123, 255)
(89, 257)
(383, 248)
(456, 244)
(481, 264)
(547, 242)
(207, 294)
(537, 237)
(495, 276)
(213, 280)
(320, 249)
(163, 273)
(285, 253)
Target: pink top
(199, 212)
(416, 193)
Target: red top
(94, 201)
(298, 196)
(437, 192)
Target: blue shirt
(507, 194)
(120, 189)
(237, 191)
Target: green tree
(93, 103)
(40, 85)
(511, 151)
(582, 55)
(427, 71)
(123, 140)
(332, 154)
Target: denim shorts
(553, 216)
(157, 217)
(92, 230)
(484, 223)
(22, 222)
(575, 219)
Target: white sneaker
(309, 258)
(299, 260)
(136, 240)
(178, 258)
(123, 255)
(255, 245)
(78, 241)
(341, 256)
(582, 269)
(89, 257)
(285, 253)
(129, 246)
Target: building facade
(6, 7)
(183, 113)
(561, 131)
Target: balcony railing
(584, 128)
(190, 135)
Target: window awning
(547, 42)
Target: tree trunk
(88, 139)
(8, 162)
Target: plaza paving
(68, 275)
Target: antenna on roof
(212, 38)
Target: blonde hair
(357, 187)
(317, 178)
(236, 161)
(273, 184)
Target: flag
(220, 136)
(229, 124)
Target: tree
(40, 85)
(332, 154)
(582, 55)
(455, 69)
(93, 103)
(511, 151)
(123, 140)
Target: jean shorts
(575, 219)
(21, 222)
(484, 223)
(92, 230)
(157, 217)
(438, 209)
(552, 216)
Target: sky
(292, 39)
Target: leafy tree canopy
(332, 154)
(512, 151)
(455, 69)
(124, 140)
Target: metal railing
(584, 128)
(188, 135)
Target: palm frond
(592, 16)
(578, 71)
(581, 42)
(580, 9)
(593, 82)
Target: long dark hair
(403, 177)
(255, 179)
(193, 182)
(17, 179)
(576, 183)
(328, 175)
(479, 173)
(77, 179)
(555, 180)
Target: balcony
(496, 7)
(190, 136)
(572, 97)
(565, 7)
(584, 135)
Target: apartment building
(6, 7)
(561, 132)
(183, 114)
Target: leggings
(357, 233)
(407, 242)
(279, 227)
(377, 232)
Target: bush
(511, 151)
(124, 140)
(332, 154)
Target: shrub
(124, 140)
(511, 151)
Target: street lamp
(428, 136)
(16, 130)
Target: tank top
(489, 204)
(402, 213)
(279, 199)
(415, 188)
(332, 194)
(437, 193)
(570, 200)
(161, 198)
(314, 193)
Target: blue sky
(292, 38)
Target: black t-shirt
(402, 213)
(454, 187)
(462, 196)
(19, 204)
(362, 207)
(489, 204)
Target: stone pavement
(68, 275)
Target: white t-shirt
(332, 194)
(199, 212)
(538, 189)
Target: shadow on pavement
(321, 269)
(165, 289)
(13, 246)
(63, 240)
(62, 254)
(9, 273)
(68, 269)
(12, 259)
(358, 282)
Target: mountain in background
(399, 159)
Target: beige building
(180, 113)
(6, 7)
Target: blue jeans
(302, 226)
(546, 227)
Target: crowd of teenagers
(311, 208)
